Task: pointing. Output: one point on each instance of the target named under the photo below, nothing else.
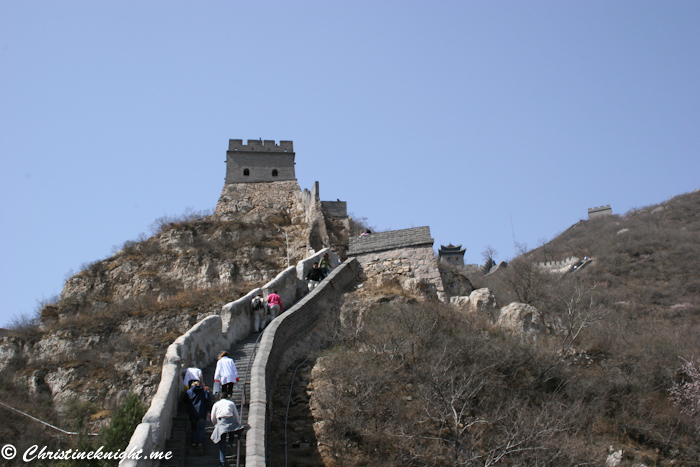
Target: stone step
(184, 455)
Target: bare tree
(542, 243)
(581, 308)
(686, 391)
(489, 255)
(450, 398)
(528, 282)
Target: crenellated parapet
(599, 211)
(259, 161)
(571, 260)
(259, 145)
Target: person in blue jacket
(199, 405)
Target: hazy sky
(458, 115)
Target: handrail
(43, 422)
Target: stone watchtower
(451, 254)
(259, 161)
(599, 211)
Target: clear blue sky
(452, 114)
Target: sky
(491, 122)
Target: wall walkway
(200, 345)
(278, 337)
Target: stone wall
(390, 240)
(560, 266)
(335, 208)
(279, 336)
(404, 253)
(259, 161)
(199, 347)
(279, 202)
(410, 262)
(599, 211)
(318, 235)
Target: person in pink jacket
(275, 307)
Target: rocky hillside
(548, 370)
(107, 333)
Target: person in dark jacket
(314, 276)
(199, 404)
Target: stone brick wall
(390, 240)
(279, 336)
(599, 211)
(335, 208)
(408, 253)
(261, 202)
(260, 159)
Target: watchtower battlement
(599, 211)
(259, 161)
(260, 145)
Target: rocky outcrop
(481, 301)
(262, 203)
(523, 319)
(455, 280)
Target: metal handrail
(47, 424)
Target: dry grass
(420, 384)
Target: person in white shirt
(226, 373)
(192, 373)
(226, 419)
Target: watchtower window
(246, 172)
(274, 172)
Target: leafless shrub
(27, 326)
(527, 281)
(581, 308)
(685, 392)
(166, 222)
(359, 225)
(422, 385)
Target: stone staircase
(184, 455)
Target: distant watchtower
(451, 254)
(259, 161)
(599, 211)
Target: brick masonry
(407, 252)
(255, 202)
(279, 337)
(259, 161)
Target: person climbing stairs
(184, 455)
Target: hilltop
(581, 376)
(107, 333)
(590, 367)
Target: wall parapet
(599, 211)
(558, 264)
(391, 240)
(260, 145)
(199, 347)
(276, 340)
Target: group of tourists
(264, 311)
(223, 414)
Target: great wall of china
(260, 177)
